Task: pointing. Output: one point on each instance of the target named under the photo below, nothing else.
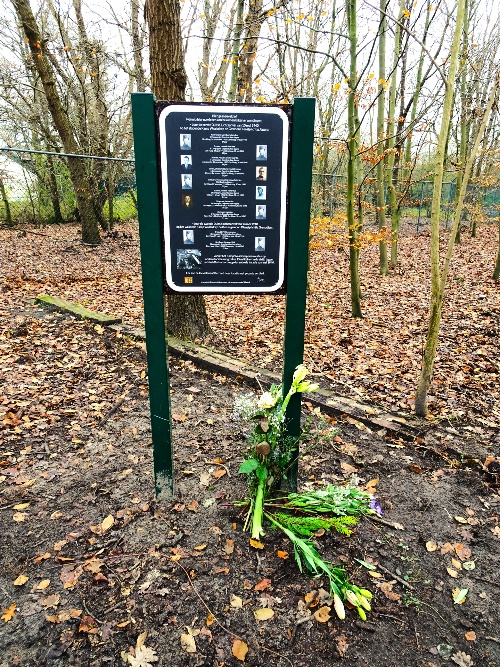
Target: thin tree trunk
(384, 268)
(186, 313)
(391, 186)
(54, 193)
(438, 280)
(496, 272)
(8, 214)
(352, 146)
(235, 56)
(462, 155)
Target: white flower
(266, 401)
(300, 373)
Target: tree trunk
(41, 62)
(186, 313)
(254, 20)
(496, 272)
(438, 282)
(391, 140)
(54, 193)
(235, 56)
(352, 146)
(384, 268)
(462, 155)
(8, 214)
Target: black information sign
(224, 180)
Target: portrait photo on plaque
(260, 212)
(260, 192)
(186, 181)
(187, 201)
(260, 243)
(262, 152)
(261, 173)
(185, 142)
(188, 259)
(186, 163)
(188, 236)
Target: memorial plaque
(224, 185)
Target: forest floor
(89, 561)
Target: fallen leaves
(322, 615)
(51, 601)
(459, 595)
(104, 526)
(263, 614)
(188, 643)
(262, 585)
(21, 580)
(9, 613)
(239, 649)
(142, 655)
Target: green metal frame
(146, 169)
(298, 260)
(148, 201)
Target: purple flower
(374, 505)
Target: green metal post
(298, 255)
(143, 118)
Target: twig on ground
(378, 519)
(395, 576)
(114, 409)
(493, 639)
(90, 613)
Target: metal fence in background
(329, 196)
(36, 188)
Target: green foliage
(339, 500)
(308, 525)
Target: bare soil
(76, 446)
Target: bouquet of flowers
(298, 516)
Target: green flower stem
(258, 511)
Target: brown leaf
(179, 418)
(187, 643)
(262, 585)
(256, 544)
(220, 472)
(386, 588)
(87, 624)
(239, 649)
(322, 615)
(21, 580)
(50, 601)
(470, 636)
(9, 613)
(347, 469)
(415, 468)
(228, 548)
(44, 556)
(283, 554)
(463, 552)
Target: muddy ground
(90, 561)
